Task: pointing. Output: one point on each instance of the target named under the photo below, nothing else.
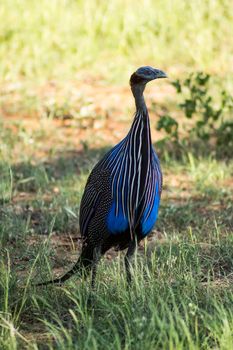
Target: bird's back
(120, 203)
(122, 194)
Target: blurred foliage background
(56, 38)
(69, 42)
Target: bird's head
(145, 74)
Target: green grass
(54, 39)
(181, 295)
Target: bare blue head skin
(138, 81)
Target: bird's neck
(137, 91)
(141, 122)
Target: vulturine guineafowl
(121, 199)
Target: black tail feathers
(83, 265)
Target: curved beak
(159, 74)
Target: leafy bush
(209, 116)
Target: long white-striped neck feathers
(130, 164)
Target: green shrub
(209, 115)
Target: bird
(121, 199)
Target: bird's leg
(96, 259)
(128, 256)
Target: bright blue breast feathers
(136, 181)
(117, 223)
(151, 213)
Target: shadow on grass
(31, 176)
(44, 197)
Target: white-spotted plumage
(121, 198)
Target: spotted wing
(90, 201)
(96, 198)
